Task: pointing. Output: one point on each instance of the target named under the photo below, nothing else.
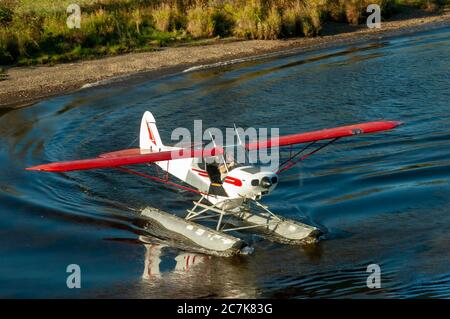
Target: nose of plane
(266, 182)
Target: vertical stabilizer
(149, 136)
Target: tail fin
(149, 136)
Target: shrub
(137, 17)
(9, 48)
(248, 18)
(5, 56)
(302, 18)
(162, 17)
(292, 20)
(270, 27)
(25, 31)
(55, 35)
(313, 14)
(336, 10)
(167, 17)
(353, 10)
(222, 21)
(6, 15)
(199, 22)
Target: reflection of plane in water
(157, 263)
(173, 273)
(170, 272)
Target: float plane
(229, 192)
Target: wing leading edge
(331, 133)
(111, 160)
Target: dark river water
(382, 199)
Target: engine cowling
(255, 182)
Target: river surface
(382, 199)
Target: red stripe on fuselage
(233, 181)
(200, 172)
(229, 179)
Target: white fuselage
(239, 183)
(226, 188)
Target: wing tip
(39, 168)
(33, 168)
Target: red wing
(122, 153)
(136, 156)
(125, 157)
(325, 134)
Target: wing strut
(160, 180)
(287, 164)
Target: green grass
(35, 31)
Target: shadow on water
(382, 198)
